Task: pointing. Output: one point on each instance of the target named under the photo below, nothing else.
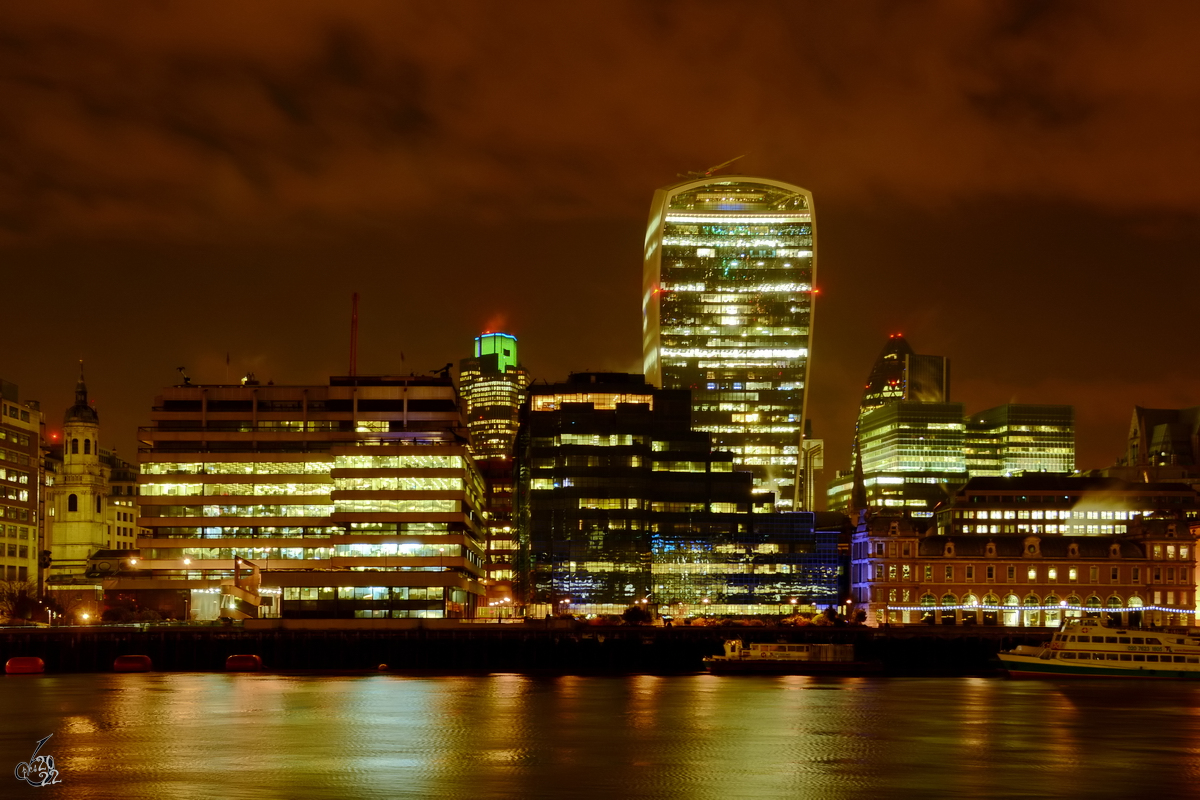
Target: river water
(200, 735)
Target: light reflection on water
(266, 736)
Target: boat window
(1098, 639)
(1193, 659)
(1123, 639)
(1070, 638)
(1085, 655)
(1066, 655)
(1180, 659)
(1138, 657)
(1152, 640)
(1111, 656)
(1110, 640)
(1152, 658)
(1138, 640)
(1126, 657)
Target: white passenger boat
(789, 659)
(1087, 648)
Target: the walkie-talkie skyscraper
(728, 282)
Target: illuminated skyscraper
(492, 385)
(730, 265)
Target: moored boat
(1087, 648)
(789, 659)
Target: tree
(18, 599)
(636, 615)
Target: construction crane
(709, 172)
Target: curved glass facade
(730, 265)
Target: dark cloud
(1010, 184)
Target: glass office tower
(730, 264)
(492, 385)
(1020, 437)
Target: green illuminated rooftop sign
(501, 345)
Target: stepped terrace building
(727, 310)
(359, 499)
(622, 503)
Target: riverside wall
(550, 646)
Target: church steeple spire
(81, 388)
(82, 411)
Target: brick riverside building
(900, 574)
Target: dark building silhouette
(622, 502)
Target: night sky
(1012, 185)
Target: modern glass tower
(492, 385)
(730, 265)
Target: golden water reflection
(697, 736)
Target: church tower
(78, 498)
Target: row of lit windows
(1088, 530)
(948, 573)
(364, 592)
(246, 489)
(1046, 514)
(238, 468)
(372, 550)
(14, 475)
(399, 484)
(397, 506)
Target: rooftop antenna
(708, 173)
(354, 335)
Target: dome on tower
(82, 411)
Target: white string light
(1091, 609)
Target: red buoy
(133, 664)
(24, 665)
(243, 663)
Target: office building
(20, 481)
(901, 374)
(1020, 437)
(728, 282)
(911, 455)
(1062, 504)
(623, 503)
(359, 499)
(492, 386)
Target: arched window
(1093, 607)
(87, 447)
(74, 447)
(1115, 606)
(1012, 617)
(927, 614)
(970, 614)
(949, 615)
(72, 502)
(1053, 612)
(990, 615)
(1073, 604)
(98, 501)
(1033, 613)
